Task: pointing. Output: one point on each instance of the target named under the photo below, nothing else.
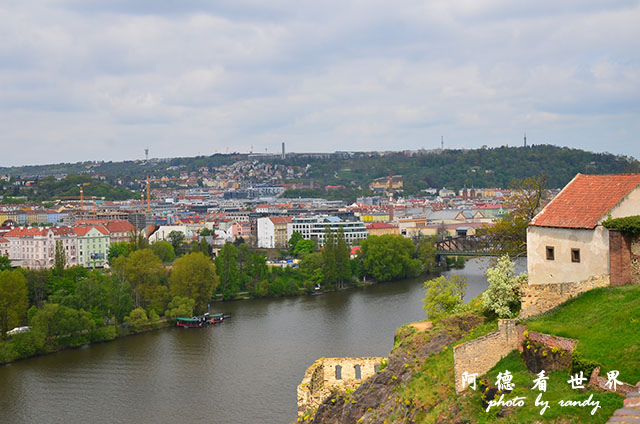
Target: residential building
(382, 228)
(93, 245)
(313, 228)
(272, 232)
(119, 230)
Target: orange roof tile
(586, 200)
(379, 226)
(280, 219)
(120, 226)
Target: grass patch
(606, 322)
(557, 389)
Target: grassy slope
(606, 322)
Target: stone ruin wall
(320, 379)
(481, 354)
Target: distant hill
(485, 167)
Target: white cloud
(91, 79)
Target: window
(338, 372)
(550, 253)
(358, 372)
(575, 255)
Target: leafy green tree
(119, 298)
(343, 266)
(5, 263)
(60, 261)
(163, 250)
(227, 267)
(202, 246)
(295, 238)
(304, 247)
(509, 233)
(206, 232)
(176, 238)
(145, 273)
(121, 248)
(329, 265)
(137, 319)
(502, 297)
(92, 294)
(13, 300)
(180, 307)
(311, 268)
(137, 241)
(194, 276)
(443, 296)
(389, 257)
(37, 285)
(426, 253)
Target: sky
(103, 80)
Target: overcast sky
(104, 79)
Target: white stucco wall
(594, 254)
(629, 206)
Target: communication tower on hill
(146, 154)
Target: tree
(5, 263)
(204, 247)
(342, 251)
(60, 261)
(180, 307)
(145, 273)
(426, 253)
(509, 234)
(137, 241)
(295, 238)
(502, 297)
(227, 267)
(121, 248)
(329, 265)
(119, 298)
(13, 300)
(176, 238)
(163, 250)
(443, 296)
(304, 247)
(389, 257)
(137, 319)
(194, 276)
(206, 232)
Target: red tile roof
(81, 231)
(120, 227)
(379, 226)
(280, 219)
(586, 200)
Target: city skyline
(87, 81)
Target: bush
(579, 363)
(629, 225)
(443, 297)
(137, 319)
(502, 297)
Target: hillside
(349, 174)
(417, 385)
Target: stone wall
(321, 378)
(549, 340)
(480, 355)
(601, 382)
(539, 298)
(635, 261)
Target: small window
(575, 255)
(550, 253)
(338, 372)
(358, 372)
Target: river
(243, 371)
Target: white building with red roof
(566, 242)
(272, 232)
(93, 245)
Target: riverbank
(418, 384)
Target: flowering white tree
(503, 294)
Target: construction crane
(148, 196)
(82, 194)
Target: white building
(313, 228)
(566, 241)
(272, 232)
(162, 233)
